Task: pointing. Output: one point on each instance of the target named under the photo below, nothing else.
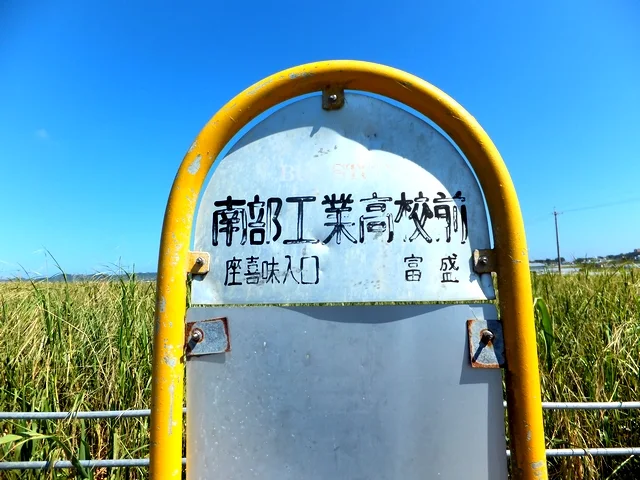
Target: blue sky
(99, 101)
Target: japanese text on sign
(365, 203)
(258, 222)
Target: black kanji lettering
(289, 271)
(377, 221)
(274, 205)
(404, 207)
(300, 220)
(252, 275)
(420, 219)
(447, 208)
(448, 266)
(233, 270)
(269, 271)
(337, 208)
(257, 224)
(229, 220)
(413, 273)
(310, 270)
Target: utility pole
(555, 215)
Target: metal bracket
(207, 337)
(484, 261)
(332, 98)
(198, 263)
(486, 343)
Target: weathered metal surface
(199, 263)
(207, 337)
(375, 392)
(484, 261)
(486, 343)
(364, 203)
(332, 98)
(523, 391)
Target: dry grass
(87, 346)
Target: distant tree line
(616, 258)
(550, 260)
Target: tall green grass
(589, 346)
(87, 346)
(70, 347)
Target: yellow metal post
(523, 381)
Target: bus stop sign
(337, 246)
(360, 204)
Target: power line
(581, 209)
(547, 216)
(602, 205)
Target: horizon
(122, 271)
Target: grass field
(87, 346)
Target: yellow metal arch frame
(514, 284)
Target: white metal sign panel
(360, 392)
(365, 203)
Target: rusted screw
(197, 335)
(487, 337)
(483, 260)
(199, 261)
(333, 98)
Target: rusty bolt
(333, 98)
(199, 261)
(197, 335)
(483, 260)
(487, 337)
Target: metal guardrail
(589, 405)
(146, 412)
(76, 415)
(144, 462)
(118, 463)
(593, 452)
